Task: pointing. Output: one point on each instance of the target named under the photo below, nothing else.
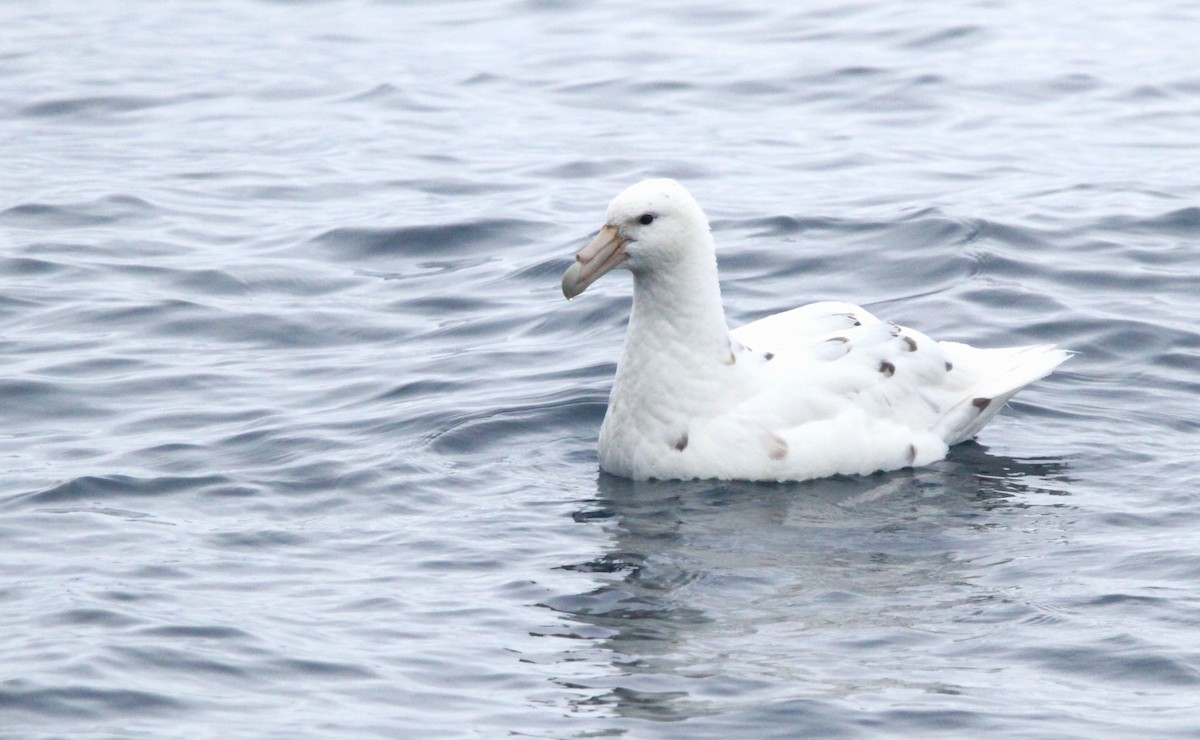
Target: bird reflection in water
(714, 594)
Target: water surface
(299, 435)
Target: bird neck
(680, 308)
(677, 352)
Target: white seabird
(816, 391)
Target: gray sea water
(298, 434)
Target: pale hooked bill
(822, 389)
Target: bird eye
(646, 219)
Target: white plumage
(819, 390)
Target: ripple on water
(91, 488)
(102, 211)
(90, 109)
(428, 241)
(80, 702)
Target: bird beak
(604, 253)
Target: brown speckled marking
(981, 403)
(769, 356)
(681, 445)
(912, 454)
(912, 344)
(949, 366)
(779, 447)
(887, 368)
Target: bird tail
(1000, 375)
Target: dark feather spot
(912, 454)
(887, 368)
(734, 348)
(681, 445)
(843, 340)
(949, 366)
(981, 403)
(779, 447)
(912, 344)
(769, 356)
